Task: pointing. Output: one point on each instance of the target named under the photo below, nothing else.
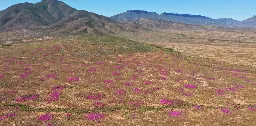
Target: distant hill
(165, 25)
(133, 15)
(250, 22)
(56, 16)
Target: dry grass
(231, 46)
(104, 67)
(233, 53)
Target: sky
(236, 9)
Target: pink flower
(133, 115)
(236, 74)
(147, 92)
(190, 86)
(11, 92)
(239, 86)
(233, 89)
(163, 73)
(135, 103)
(43, 79)
(211, 78)
(92, 69)
(1, 76)
(163, 78)
(108, 81)
(68, 115)
(73, 79)
(54, 96)
(46, 117)
(175, 113)
(98, 96)
(178, 71)
(165, 101)
(137, 90)
(94, 116)
(118, 67)
(54, 76)
(120, 91)
(134, 77)
(197, 107)
(128, 84)
(27, 97)
(220, 92)
(24, 75)
(8, 115)
(99, 63)
(27, 69)
(147, 82)
(156, 88)
(252, 108)
(58, 88)
(84, 64)
(98, 104)
(225, 110)
(187, 94)
(115, 73)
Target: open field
(113, 81)
(230, 46)
(232, 53)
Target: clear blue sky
(236, 9)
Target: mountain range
(133, 15)
(57, 16)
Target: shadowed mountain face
(133, 15)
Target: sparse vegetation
(110, 80)
(69, 67)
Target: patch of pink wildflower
(1, 76)
(97, 96)
(52, 75)
(46, 117)
(27, 98)
(54, 96)
(175, 113)
(226, 110)
(165, 101)
(73, 79)
(147, 82)
(220, 92)
(120, 92)
(98, 104)
(58, 88)
(190, 86)
(95, 116)
(8, 115)
(108, 81)
(128, 84)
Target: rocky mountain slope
(56, 16)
